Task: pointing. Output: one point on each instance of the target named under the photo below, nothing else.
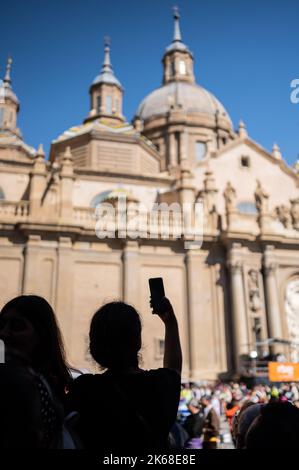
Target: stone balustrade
(14, 211)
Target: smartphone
(157, 293)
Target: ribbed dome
(190, 98)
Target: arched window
(1, 194)
(247, 207)
(100, 198)
(200, 150)
(113, 194)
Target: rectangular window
(99, 103)
(1, 116)
(177, 145)
(159, 348)
(200, 150)
(108, 104)
(245, 162)
(182, 67)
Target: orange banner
(283, 371)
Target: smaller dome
(190, 97)
(107, 77)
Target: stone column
(240, 328)
(38, 183)
(193, 268)
(131, 267)
(172, 149)
(272, 301)
(66, 187)
(183, 146)
(64, 288)
(31, 265)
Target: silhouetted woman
(33, 341)
(127, 408)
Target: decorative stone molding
(235, 266)
(270, 268)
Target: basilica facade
(238, 293)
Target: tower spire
(177, 31)
(106, 67)
(7, 79)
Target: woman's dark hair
(115, 336)
(48, 355)
(276, 427)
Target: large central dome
(189, 98)
(180, 93)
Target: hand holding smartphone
(157, 294)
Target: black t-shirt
(194, 424)
(132, 411)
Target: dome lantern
(177, 60)
(106, 92)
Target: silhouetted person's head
(28, 326)
(115, 336)
(276, 427)
(242, 422)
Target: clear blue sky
(246, 53)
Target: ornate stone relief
(292, 315)
(255, 303)
(289, 216)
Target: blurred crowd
(229, 402)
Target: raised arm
(172, 352)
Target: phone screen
(157, 293)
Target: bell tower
(106, 93)
(9, 103)
(177, 60)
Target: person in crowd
(140, 406)
(32, 339)
(194, 425)
(231, 410)
(178, 436)
(276, 427)
(211, 424)
(20, 406)
(242, 421)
